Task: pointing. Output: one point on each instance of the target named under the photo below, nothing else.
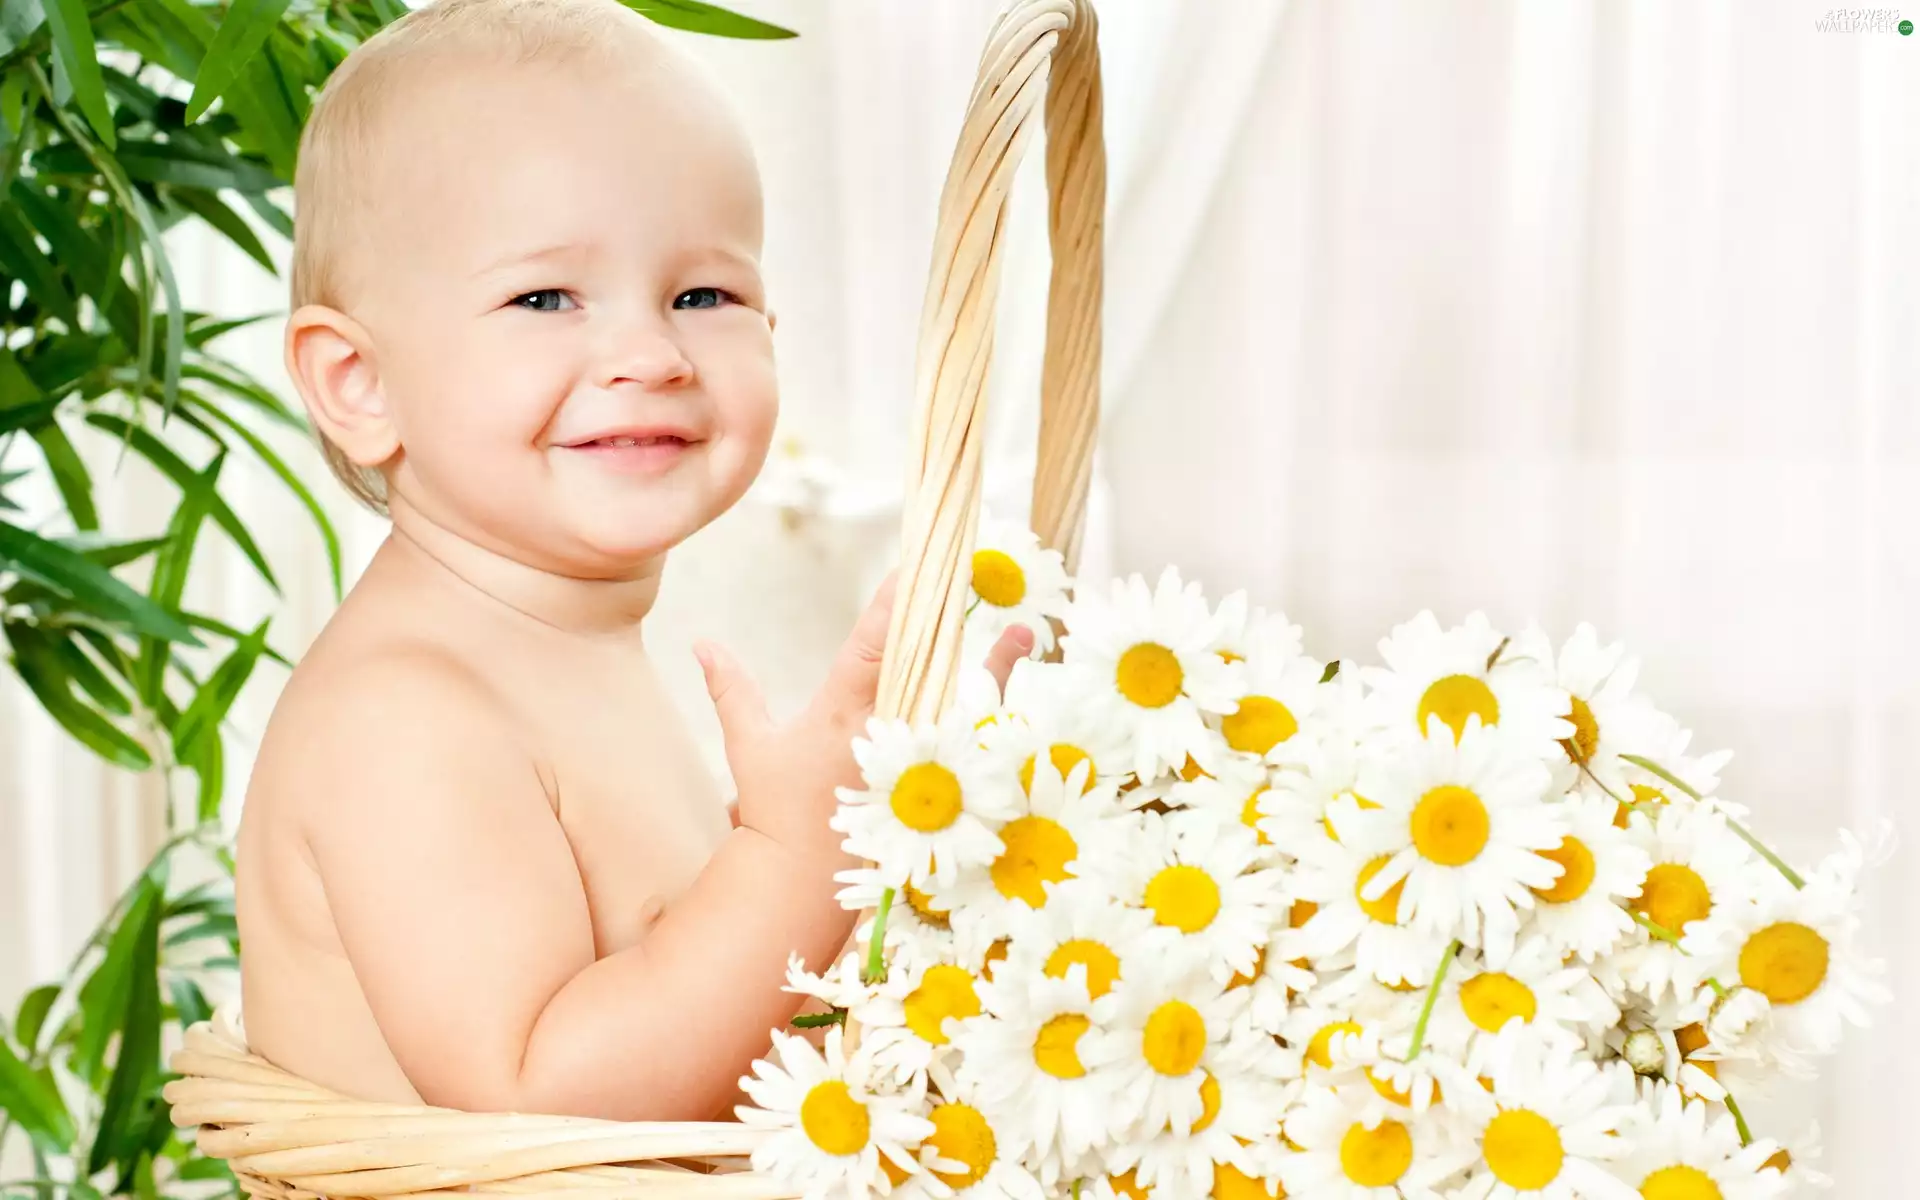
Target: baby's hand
(786, 775)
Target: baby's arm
(456, 897)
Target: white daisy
(1347, 1155)
(1232, 791)
(1464, 822)
(1583, 911)
(1609, 717)
(1293, 809)
(1280, 687)
(1699, 867)
(1799, 1160)
(1335, 1043)
(1249, 632)
(831, 1128)
(1796, 948)
(1686, 1148)
(1015, 581)
(1550, 1132)
(1169, 1026)
(1147, 658)
(1330, 880)
(966, 1157)
(931, 805)
(1027, 1057)
(1242, 1098)
(1531, 988)
(919, 923)
(1043, 714)
(1202, 877)
(1063, 829)
(1435, 674)
(1273, 983)
(1082, 926)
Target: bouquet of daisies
(1186, 913)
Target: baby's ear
(330, 358)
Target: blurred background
(1585, 311)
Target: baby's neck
(600, 610)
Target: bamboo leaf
(70, 474)
(175, 468)
(138, 1061)
(72, 574)
(89, 676)
(29, 1097)
(73, 48)
(209, 763)
(202, 621)
(215, 698)
(43, 677)
(190, 1008)
(22, 257)
(170, 567)
(241, 34)
(697, 17)
(234, 382)
(119, 554)
(204, 330)
(33, 1014)
(27, 416)
(214, 211)
(105, 996)
(287, 476)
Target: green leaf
(21, 257)
(213, 896)
(13, 97)
(190, 1007)
(29, 1097)
(119, 554)
(137, 1063)
(287, 476)
(209, 764)
(184, 164)
(202, 621)
(215, 698)
(175, 468)
(202, 1168)
(69, 474)
(231, 380)
(33, 1015)
(72, 574)
(105, 997)
(224, 928)
(42, 674)
(73, 46)
(90, 677)
(204, 330)
(18, 20)
(27, 416)
(214, 211)
(696, 17)
(244, 31)
(170, 567)
(277, 218)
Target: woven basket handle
(1037, 49)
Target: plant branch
(1433, 995)
(39, 44)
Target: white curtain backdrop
(1591, 310)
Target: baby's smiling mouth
(642, 450)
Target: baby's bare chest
(639, 805)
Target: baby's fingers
(1014, 644)
(847, 696)
(737, 700)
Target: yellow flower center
(1455, 698)
(1065, 758)
(1102, 964)
(924, 907)
(1191, 770)
(1250, 816)
(1522, 1149)
(1231, 1183)
(1259, 968)
(1056, 1048)
(1149, 675)
(1450, 825)
(1037, 853)
(1673, 897)
(1174, 1038)
(1301, 912)
(1786, 962)
(1258, 725)
(1642, 794)
(1209, 1101)
(998, 579)
(1493, 999)
(1386, 909)
(1376, 1157)
(944, 991)
(926, 797)
(1183, 897)
(1780, 1161)
(1576, 871)
(963, 1135)
(1124, 1184)
(1679, 1183)
(995, 953)
(1585, 742)
(1690, 1038)
(833, 1120)
(1387, 1090)
(896, 1175)
(1320, 1046)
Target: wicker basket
(287, 1139)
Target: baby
(481, 864)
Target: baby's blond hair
(331, 205)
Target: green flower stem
(876, 971)
(1792, 876)
(1739, 1121)
(1433, 997)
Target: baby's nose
(649, 357)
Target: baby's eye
(702, 297)
(545, 300)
